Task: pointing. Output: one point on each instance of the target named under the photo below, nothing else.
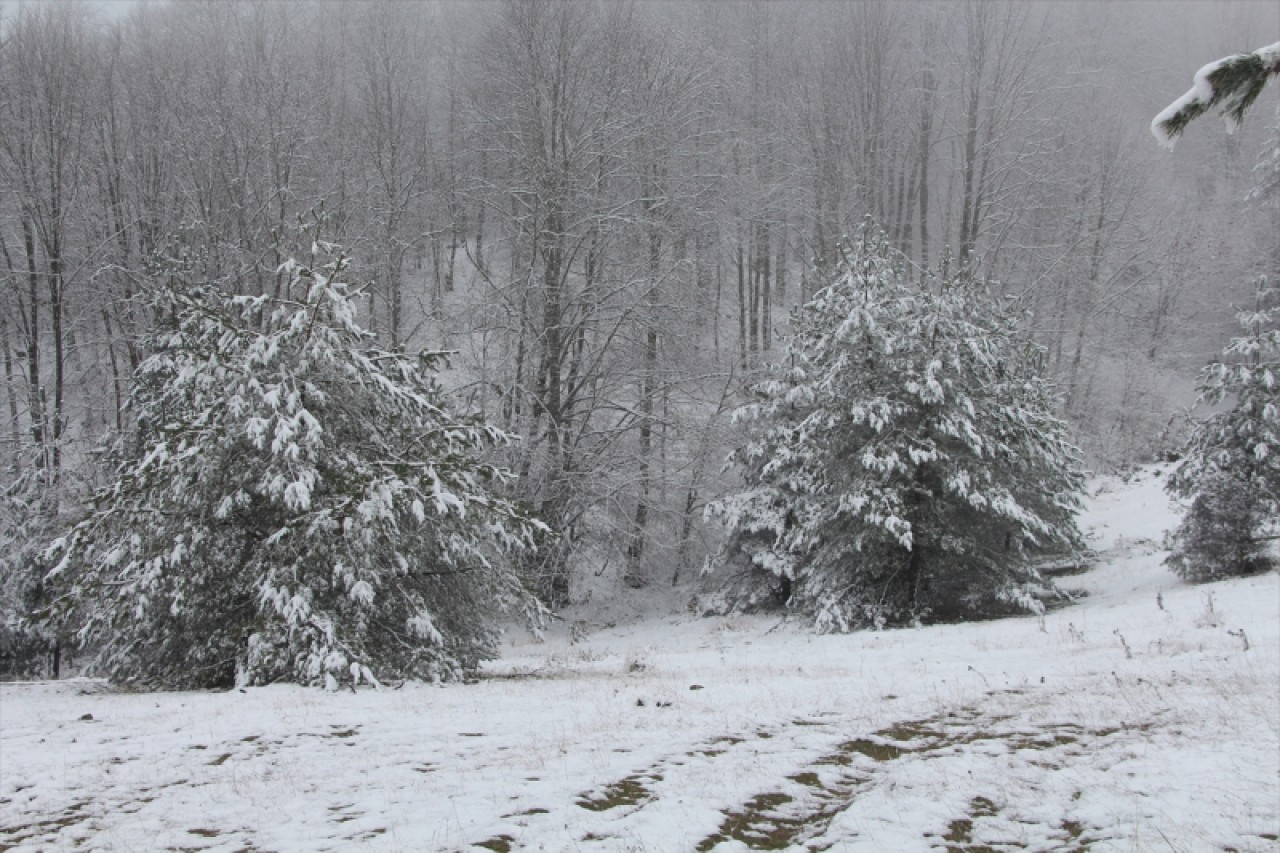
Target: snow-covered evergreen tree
(1266, 189)
(1265, 195)
(26, 523)
(1232, 469)
(292, 503)
(906, 463)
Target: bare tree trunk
(480, 211)
(780, 273)
(648, 388)
(686, 523)
(15, 432)
(715, 308)
(968, 202)
(928, 87)
(766, 291)
(742, 306)
(35, 388)
(117, 384)
(753, 282)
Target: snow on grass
(1121, 723)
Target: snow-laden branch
(1233, 82)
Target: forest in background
(608, 210)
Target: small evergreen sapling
(905, 464)
(1231, 473)
(291, 503)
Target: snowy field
(1133, 720)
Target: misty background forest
(606, 212)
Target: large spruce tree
(905, 464)
(291, 503)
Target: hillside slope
(1134, 719)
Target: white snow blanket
(1135, 719)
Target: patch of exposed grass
(762, 823)
(758, 825)
(626, 792)
(12, 836)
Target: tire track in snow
(816, 774)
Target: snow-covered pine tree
(1266, 190)
(1232, 83)
(1231, 472)
(26, 523)
(906, 463)
(1265, 196)
(292, 503)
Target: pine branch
(1234, 83)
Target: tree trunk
(648, 388)
(117, 385)
(766, 294)
(35, 389)
(15, 432)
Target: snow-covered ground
(1133, 720)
